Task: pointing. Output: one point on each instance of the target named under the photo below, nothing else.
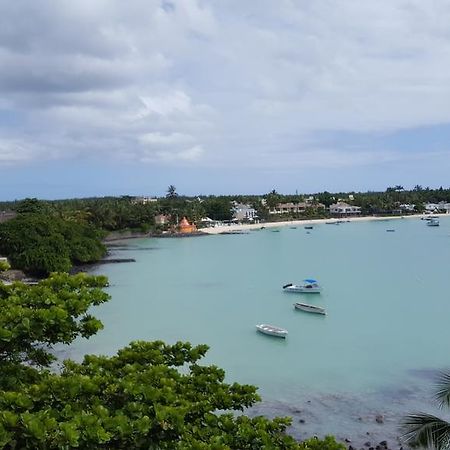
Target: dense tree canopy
(137, 399)
(33, 318)
(218, 208)
(40, 244)
(126, 212)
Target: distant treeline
(48, 236)
(127, 212)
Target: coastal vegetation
(148, 395)
(40, 244)
(51, 236)
(138, 213)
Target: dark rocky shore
(119, 236)
(360, 422)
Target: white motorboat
(433, 223)
(429, 217)
(309, 286)
(272, 330)
(310, 308)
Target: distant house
(143, 200)
(286, 208)
(444, 207)
(407, 207)
(344, 209)
(431, 207)
(244, 212)
(207, 222)
(161, 219)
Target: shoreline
(256, 226)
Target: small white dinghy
(272, 330)
(310, 308)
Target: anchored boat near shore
(433, 222)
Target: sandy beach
(253, 226)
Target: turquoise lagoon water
(386, 333)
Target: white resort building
(244, 212)
(344, 209)
(437, 207)
(286, 208)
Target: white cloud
(165, 139)
(175, 102)
(160, 81)
(12, 151)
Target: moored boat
(308, 286)
(433, 223)
(272, 330)
(310, 308)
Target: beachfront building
(344, 209)
(444, 207)
(408, 207)
(143, 200)
(289, 208)
(441, 207)
(242, 212)
(162, 219)
(185, 227)
(431, 207)
(207, 222)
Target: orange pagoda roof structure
(185, 227)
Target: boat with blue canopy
(308, 286)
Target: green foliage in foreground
(426, 430)
(148, 396)
(33, 318)
(41, 244)
(328, 443)
(137, 399)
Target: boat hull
(302, 289)
(270, 330)
(310, 309)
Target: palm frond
(426, 430)
(442, 394)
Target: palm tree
(171, 192)
(426, 430)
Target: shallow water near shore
(376, 352)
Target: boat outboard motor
(287, 285)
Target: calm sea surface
(386, 333)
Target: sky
(107, 97)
